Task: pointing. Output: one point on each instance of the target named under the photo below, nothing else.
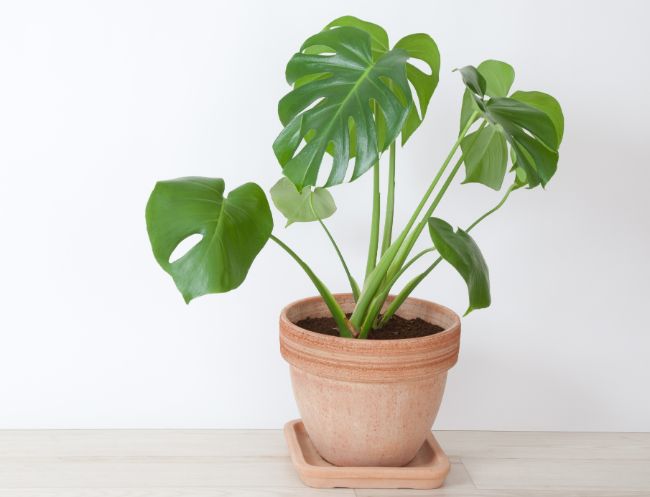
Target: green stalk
(406, 291)
(390, 202)
(373, 245)
(374, 280)
(337, 313)
(406, 248)
(353, 284)
(410, 286)
(375, 306)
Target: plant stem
(413, 237)
(374, 280)
(353, 284)
(410, 286)
(373, 245)
(494, 209)
(390, 201)
(337, 313)
(406, 291)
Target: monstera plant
(354, 99)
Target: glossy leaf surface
(234, 229)
(301, 207)
(461, 251)
(341, 90)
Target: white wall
(100, 99)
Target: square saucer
(427, 470)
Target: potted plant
(369, 366)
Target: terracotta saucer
(427, 470)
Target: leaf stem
(410, 286)
(353, 284)
(339, 316)
(373, 281)
(390, 201)
(373, 245)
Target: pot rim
(365, 360)
(370, 344)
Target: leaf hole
(185, 246)
(421, 65)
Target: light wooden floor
(210, 463)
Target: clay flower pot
(368, 402)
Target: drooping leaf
(234, 229)
(532, 123)
(461, 251)
(485, 155)
(351, 82)
(547, 104)
(420, 46)
(301, 207)
(498, 76)
(531, 135)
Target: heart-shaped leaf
(461, 251)
(342, 87)
(301, 207)
(234, 229)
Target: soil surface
(395, 329)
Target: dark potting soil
(395, 329)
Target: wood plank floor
(211, 463)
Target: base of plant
(395, 329)
(427, 470)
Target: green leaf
(352, 80)
(304, 206)
(473, 79)
(378, 35)
(498, 76)
(461, 251)
(422, 47)
(234, 229)
(485, 155)
(531, 134)
(467, 109)
(547, 104)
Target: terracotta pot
(368, 402)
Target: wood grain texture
(255, 463)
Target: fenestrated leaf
(234, 229)
(461, 251)
(422, 47)
(351, 81)
(485, 155)
(547, 104)
(498, 76)
(301, 207)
